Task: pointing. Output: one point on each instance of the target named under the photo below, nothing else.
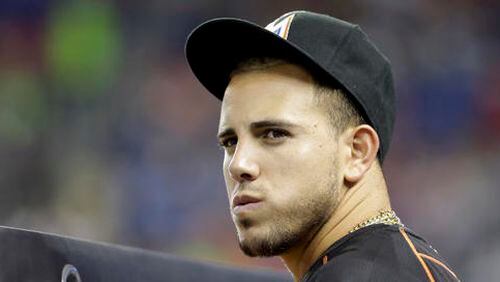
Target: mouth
(243, 203)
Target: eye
(275, 133)
(228, 142)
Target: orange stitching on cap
(325, 260)
(436, 261)
(422, 262)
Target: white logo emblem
(281, 25)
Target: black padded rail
(35, 256)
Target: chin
(255, 242)
(257, 248)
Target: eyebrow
(260, 124)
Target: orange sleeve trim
(414, 250)
(438, 262)
(325, 260)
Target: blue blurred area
(105, 133)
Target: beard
(290, 226)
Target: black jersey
(380, 253)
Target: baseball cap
(338, 50)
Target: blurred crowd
(105, 134)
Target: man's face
(280, 163)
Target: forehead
(284, 92)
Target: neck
(357, 203)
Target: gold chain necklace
(388, 217)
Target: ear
(362, 146)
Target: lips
(242, 200)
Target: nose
(243, 166)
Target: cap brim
(216, 47)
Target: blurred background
(106, 135)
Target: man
(306, 121)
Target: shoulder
(382, 253)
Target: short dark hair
(333, 99)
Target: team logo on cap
(281, 26)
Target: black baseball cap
(335, 49)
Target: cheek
(303, 169)
(227, 178)
(307, 159)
